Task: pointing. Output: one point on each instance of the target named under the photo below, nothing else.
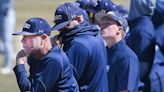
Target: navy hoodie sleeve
(43, 81)
(78, 55)
(22, 78)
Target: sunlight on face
(37, 42)
(31, 43)
(109, 31)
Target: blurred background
(26, 9)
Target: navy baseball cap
(64, 14)
(106, 5)
(35, 26)
(124, 11)
(116, 16)
(85, 14)
(88, 5)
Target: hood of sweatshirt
(140, 8)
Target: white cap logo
(26, 25)
(58, 17)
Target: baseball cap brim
(24, 33)
(98, 17)
(61, 25)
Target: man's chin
(27, 51)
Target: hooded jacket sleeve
(42, 81)
(22, 78)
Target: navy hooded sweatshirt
(141, 39)
(158, 17)
(85, 48)
(52, 73)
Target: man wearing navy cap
(123, 74)
(108, 5)
(84, 46)
(49, 67)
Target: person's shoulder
(128, 54)
(140, 21)
(81, 42)
(128, 61)
(55, 50)
(146, 30)
(55, 54)
(57, 58)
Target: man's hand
(21, 57)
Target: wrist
(18, 63)
(21, 61)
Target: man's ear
(44, 36)
(121, 28)
(119, 31)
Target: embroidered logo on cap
(58, 17)
(40, 31)
(26, 25)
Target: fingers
(21, 57)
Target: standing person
(141, 36)
(49, 67)
(123, 74)
(7, 26)
(56, 39)
(84, 47)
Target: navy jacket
(141, 38)
(158, 17)
(85, 48)
(52, 73)
(124, 68)
(160, 37)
